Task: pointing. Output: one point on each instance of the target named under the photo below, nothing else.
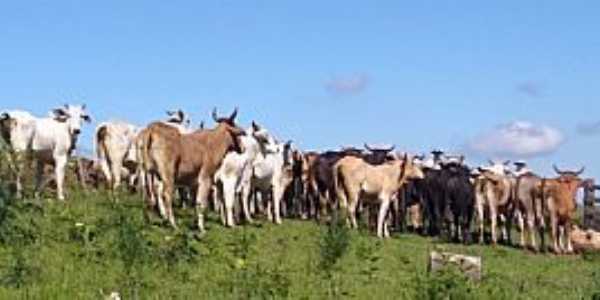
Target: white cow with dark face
(51, 140)
(235, 174)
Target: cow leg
(204, 187)
(39, 179)
(481, 221)
(568, 237)
(521, 224)
(19, 182)
(383, 209)
(494, 219)
(322, 205)
(352, 207)
(60, 162)
(245, 194)
(504, 221)
(531, 230)
(554, 234)
(229, 201)
(167, 195)
(116, 179)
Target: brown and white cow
(354, 178)
(559, 202)
(187, 159)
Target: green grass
(87, 248)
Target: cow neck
(219, 139)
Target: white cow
(235, 173)
(116, 152)
(273, 173)
(51, 140)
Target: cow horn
(180, 114)
(491, 162)
(580, 171)
(507, 162)
(255, 126)
(557, 170)
(288, 143)
(367, 147)
(202, 125)
(214, 115)
(391, 148)
(234, 114)
(4, 116)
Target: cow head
(410, 170)
(498, 168)
(378, 155)
(228, 124)
(6, 125)
(570, 179)
(73, 116)
(261, 134)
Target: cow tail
(340, 187)
(99, 142)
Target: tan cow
(493, 193)
(354, 178)
(187, 159)
(559, 202)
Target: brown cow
(528, 205)
(559, 201)
(353, 178)
(187, 159)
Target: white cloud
(353, 84)
(521, 139)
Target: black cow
(459, 201)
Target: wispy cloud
(348, 85)
(517, 139)
(530, 88)
(589, 128)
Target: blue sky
(418, 74)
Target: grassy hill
(87, 248)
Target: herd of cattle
(252, 170)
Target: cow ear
(60, 115)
